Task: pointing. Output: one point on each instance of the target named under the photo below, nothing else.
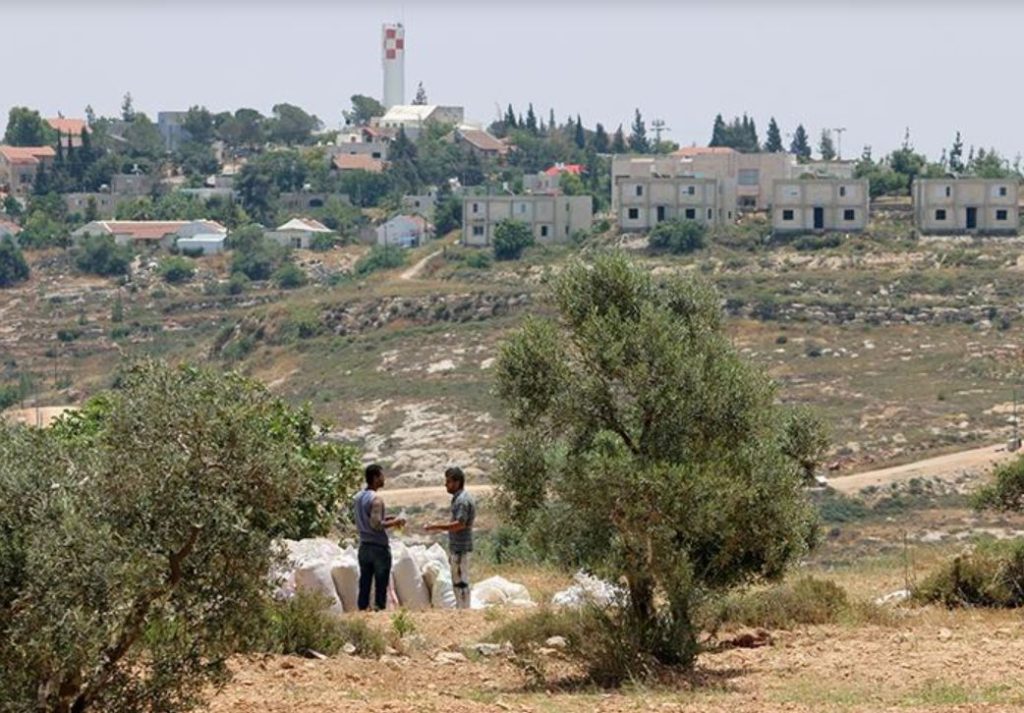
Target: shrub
(176, 269)
(511, 238)
(13, 268)
(803, 601)
(678, 236)
(289, 276)
(137, 536)
(305, 623)
(322, 242)
(537, 627)
(380, 257)
(255, 256)
(817, 242)
(101, 255)
(238, 283)
(990, 576)
(478, 260)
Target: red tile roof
(355, 162)
(26, 154)
(72, 127)
(690, 151)
(558, 168)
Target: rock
(484, 649)
(348, 649)
(900, 595)
(450, 658)
(556, 642)
(945, 634)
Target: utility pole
(839, 140)
(658, 125)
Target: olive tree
(645, 450)
(136, 537)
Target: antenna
(658, 125)
(839, 140)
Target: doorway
(661, 213)
(972, 218)
(819, 218)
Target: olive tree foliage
(136, 537)
(645, 450)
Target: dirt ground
(929, 660)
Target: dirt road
(947, 467)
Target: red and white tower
(393, 59)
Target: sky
(875, 68)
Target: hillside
(908, 348)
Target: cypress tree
(619, 141)
(531, 120)
(581, 136)
(800, 145)
(638, 136)
(718, 132)
(773, 140)
(600, 139)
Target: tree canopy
(644, 449)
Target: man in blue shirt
(460, 532)
(374, 546)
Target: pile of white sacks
(420, 577)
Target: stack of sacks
(498, 590)
(320, 565)
(420, 577)
(588, 590)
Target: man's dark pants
(374, 568)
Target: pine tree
(773, 139)
(718, 132)
(531, 120)
(956, 155)
(421, 96)
(752, 143)
(552, 124)
(638, 135)
(510, 119)
(826, 148)
(800, 145)
(581, 136)
(127, 108)
(90, 115)
(600, 139)
(619, 141)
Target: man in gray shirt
(374, 546)
(460, 532)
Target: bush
(990, 576)
(678, 236)
(101, 255)
(175, 270)
(803, 601)
(478, 260)
(305, 623)
(137, 536)
(817, 242)
(238, 283)
(380, 257)
(511, 238)
(255, 256)
(13, 268)
(289, 276)
(322, 242)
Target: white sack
(317, 578)
(345, 573)
(587, 590)
(438, 577)
(498, 590)
(409, 586)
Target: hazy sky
(872, 67)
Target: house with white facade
(404, 231)
(149, 233)
(646, 201)
(966, 205)
(820, 204)
(298, 233)
(552, 218)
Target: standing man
(460, 532)
(374, 547)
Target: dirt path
(946, 467)
(416, 269)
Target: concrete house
(819, 204)
(404, 231)
(149, 233)
(104, 203)
(423, 204)
(479, 142)
(966, 205)
(298, 233)
(19, 164)
(171, 125)
(645, 202)
(552, 219)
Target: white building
(139, 233)
(552, 219)
(966, 205)
(820, 204)
(414, 117)
(404, 231)
(645, 202)
(298, 233)
(202, 244)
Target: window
(476, 207)
(748, 177)
(711, 214)
(849, 214)
(1001, 215)
(940, 214)
(639, 190)
(949, 192)
(478, 230)
(521, 208)
(787, 215)
(634, 213)
(543, 231)
(691, 190)
(842, 191)
(1002, 190)
(691, 213)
